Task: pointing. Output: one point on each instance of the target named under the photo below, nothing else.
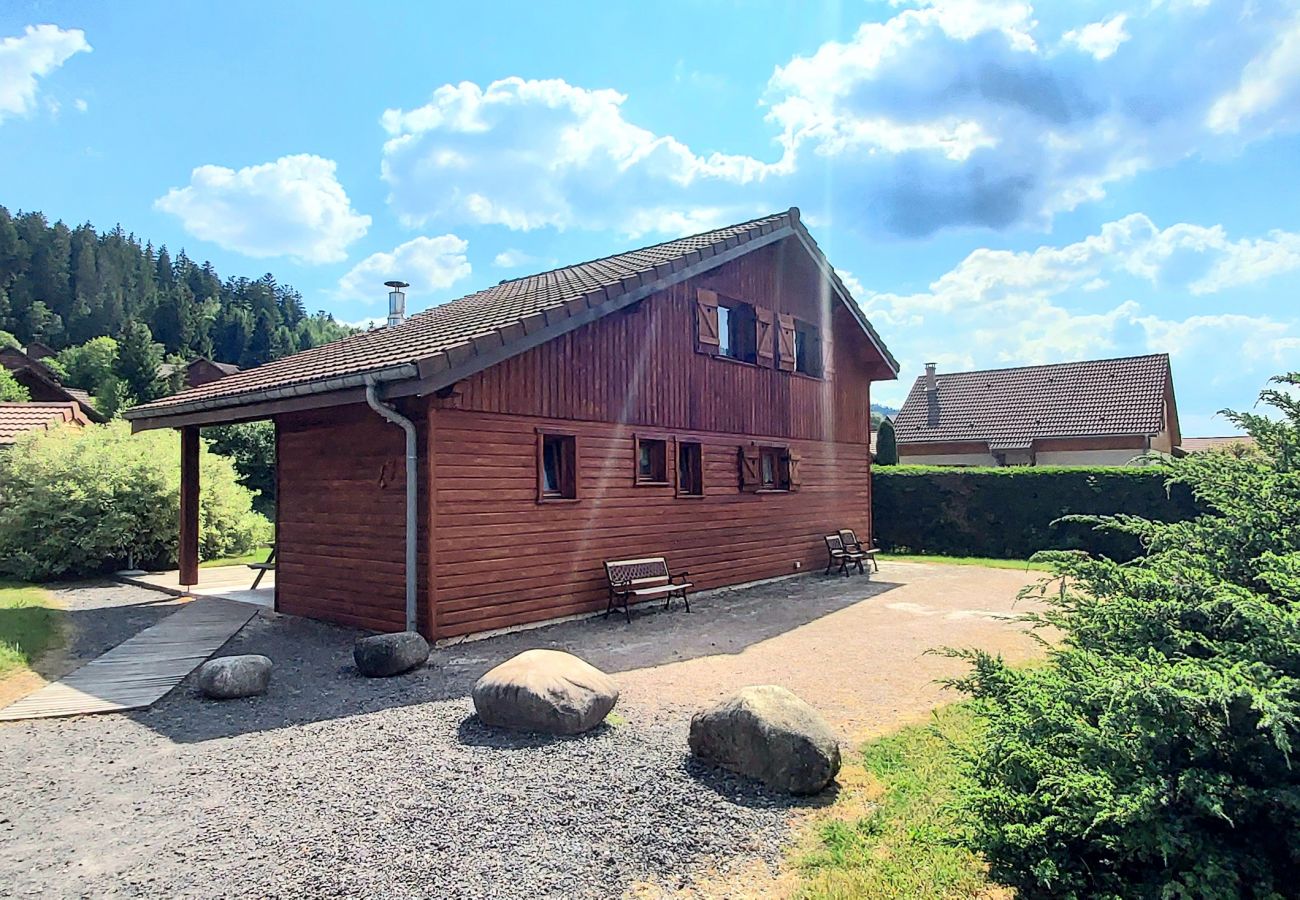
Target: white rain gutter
(392, 415)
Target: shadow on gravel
(746, 792)
(473, 733)
(314, 678)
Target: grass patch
(253, 556)
(987, 562)
(891, 831)
(29, 625)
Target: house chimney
(931, 382)
(396, 302)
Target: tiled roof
(446, 335)
(1009, 408)
(16, 419)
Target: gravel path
(335, 786)
(332, 785)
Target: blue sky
(1000, 183)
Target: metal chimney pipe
(396, 302)
(931, 382)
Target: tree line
(65, 287)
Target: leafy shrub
(251, 447)
(1012, 512)
(10, 390)
(1154, 754)
(886, 444)
(76, 501)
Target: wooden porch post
(189, 543)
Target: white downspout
(412, 485)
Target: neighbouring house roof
(1011, 408)
(447, 342)
(167, 369)
(1226, 442)
(44, 384)
(17, 419)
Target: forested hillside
(65, 286)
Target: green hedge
(1008, 513)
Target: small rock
(545, 690)
(382, 655)
(766, 732)
(229, 677)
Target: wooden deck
(140, 670)
(227, 582)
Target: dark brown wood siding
(503, 558)
(641, 366)
(341, 520)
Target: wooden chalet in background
(705, 399)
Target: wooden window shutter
(828, 355)
(766, 340)
(785, 342)
(791, 473)
(706, 322)
(751, 477)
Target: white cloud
(292, 207)
(513, 259)
(531, 154)
(946, 114)
(999, 307)
(36, 53)
(427, 263)
(1268, 92)
(1100, 39)
(81, 105)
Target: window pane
(551, 465)
(769, 468)
(724, 331)
(646, 464)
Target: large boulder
(382, 655)
(547, 691)
(766, 732)
(228, 677)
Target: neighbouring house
(43, 384)
(198, 371)
(705, 399)
(1099, 412)
(17, 419)
(1236, 444)
(38, 351)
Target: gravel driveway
(331, 785)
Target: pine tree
(138, 359)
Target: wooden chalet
(705, 399)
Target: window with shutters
(557, 467)
(807, 349)
(737, 329)
(651, 461)
(767, 469)
(731, 328)
(690, 469)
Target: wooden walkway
(140, 670)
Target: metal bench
(852, 543)
(633, 580)
(838, 554)
(262, 568)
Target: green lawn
(965, 561)
(256, 556)
(29, 625)
(890, 832)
